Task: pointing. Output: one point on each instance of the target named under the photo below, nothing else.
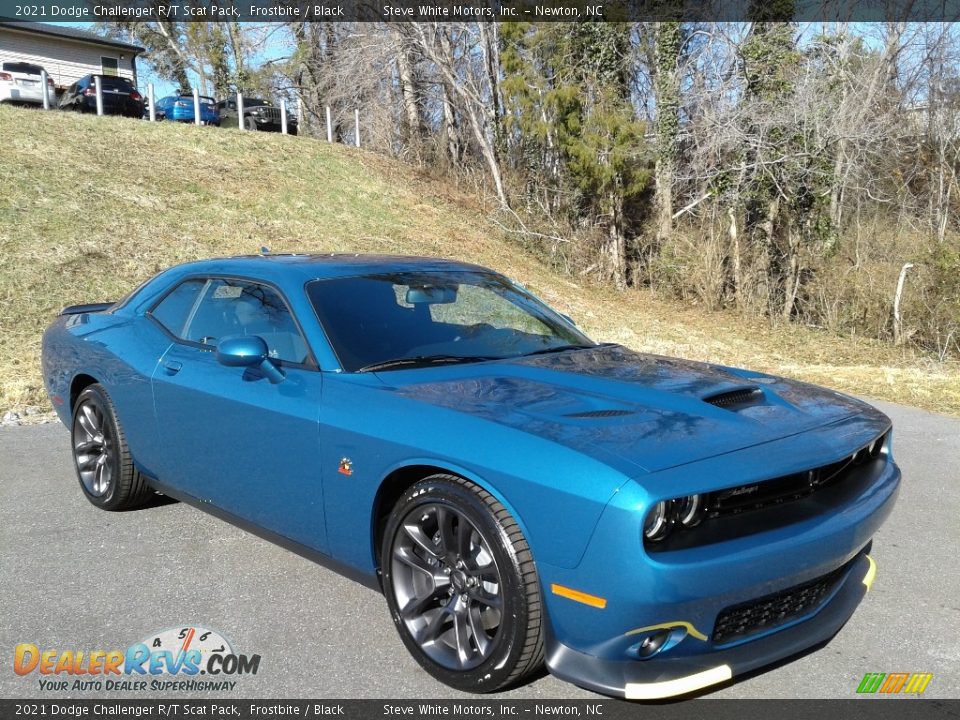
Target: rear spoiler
(88, 308)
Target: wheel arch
(402, 477)
(80, 382)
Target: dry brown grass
(92, 206)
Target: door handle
(172, 367)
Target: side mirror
(249, 351)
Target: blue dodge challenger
(646, 526)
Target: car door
(233, 438)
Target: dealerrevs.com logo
(172, 660)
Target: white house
(66, 53)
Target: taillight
(135, 95)
(49, 81)
(90, 92)
(5, 76)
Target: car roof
(304, 267)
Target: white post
(153, 108)
(44, 80)
(240, 109)
(897, 319)
(283, 117)
(301, 118)
(356, 126)
(99, 88)
(196, 106)
(329, 126)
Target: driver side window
(207, 311)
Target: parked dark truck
(258, 114)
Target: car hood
(648, 412)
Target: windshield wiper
(418, 360)
(563, 348)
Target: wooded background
(803, 172)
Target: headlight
(687, 512)
(692, 510)
(657, 523)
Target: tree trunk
(791, 283)
(411, 95)
(772, 263)
(616, 250)
(667, 38)
(737, 271)
(451, 132)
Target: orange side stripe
(581, 597)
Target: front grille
(788, 488)
(740, 621)
(270, 113)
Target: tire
(250, 124)
(465, 600)
(101, 457)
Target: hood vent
(733, 399)
(600, 413)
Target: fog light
(652, 644)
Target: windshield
(374, 320)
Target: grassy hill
(91, 206)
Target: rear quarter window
(176, 309)
(22, 67)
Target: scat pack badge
(170, 660)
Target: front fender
(555, 494)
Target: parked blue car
(180, 109)
(644, 525)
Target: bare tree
(460, 55)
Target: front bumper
(622, 593)
(669, 677)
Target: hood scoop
(736, 399)
(609, 413)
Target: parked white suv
(21, 82)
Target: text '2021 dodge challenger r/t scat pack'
(646, 526)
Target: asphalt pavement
(73, 577)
